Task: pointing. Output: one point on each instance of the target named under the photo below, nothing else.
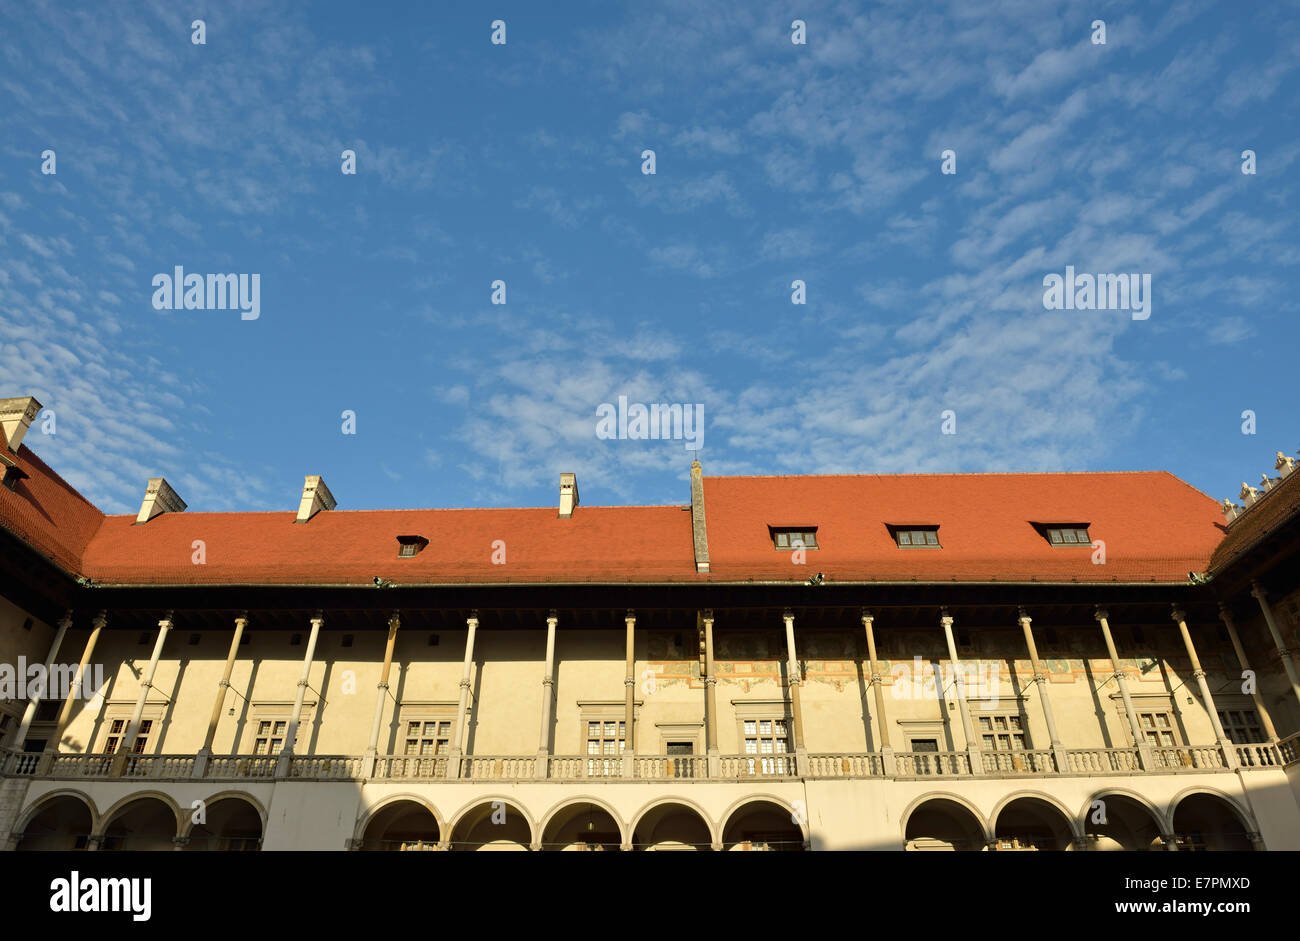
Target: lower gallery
(976, 662)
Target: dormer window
(410, 546)
(801, 537)
(1066, 534)
(911, 536)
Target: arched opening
(495, 825)
(402, 826)
(1029, 823)
(62, 824)
(144, 824)
(232, 825)
(944, 825)
(582, 826)
(1204, 822)
(1118, 822)
(672, 827)
(762, 825)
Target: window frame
(806, 536)
(929, 533)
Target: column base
(543, 763)
(1062, 758)
(888, 762)
(368, 763)
(976, 760)
(201, 761)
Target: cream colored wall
(504, 717)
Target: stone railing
(1090, 761)
(1184, 758)
(410, 767)
(844, 766)
(242, 766)
(669, 767)
(325, 767)
(492, 767)
(1079, 761)
(759, 766)
(1019, 762)
(924, 763)
(1289, 749)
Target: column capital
(66, 621)
(1258, 590)
(710, 681)
(241, 619)
(867, 616)
(1225, 613)
(1100, 614)
(787, 614)
(395, 620)
(318, 619)
(100, 620)
(945, 618)
(707, 615)
(1022, 616)
(1178, 614)
(472, 619)
(629, 617)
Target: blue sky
(522, 162)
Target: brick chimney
(568, 495)
(315, 497)
(16, 416)
(159, 498)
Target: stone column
(1225, 746)
(458, 734)
(1265, 719)
(291, 734)
(796, 681)
(1285, 655)
(972, 740)
(1145, 756)
(1042, 682)
(127, 746)
(711, 748)
(96, 628)
(205, 753)
(381, 694)
(548, 695)
(887, 760)
(629, 687)
(30, 712)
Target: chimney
(699, 533)
(315, 497)
(159, 498)
(16, 416)
(568, 495)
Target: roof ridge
(1135, 473)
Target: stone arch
(400, 822)
(138, 822)
(680, 835)
(473, 823)
(1034, 819)
(1203, 818)
(944, 821)
(64, 830)
(1133, 823)
(778, 830)
(553, 830)
(229, 829)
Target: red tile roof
(1156, 528)
(46, 512)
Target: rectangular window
(795, 538)
(916, 537)
(767, 737)
(1242, 726)
(1003, 732)
(270, 736)
(1158, 729)
(428, 737)
(1068, 536)
(605, 742)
